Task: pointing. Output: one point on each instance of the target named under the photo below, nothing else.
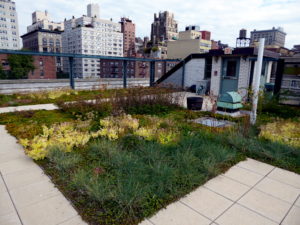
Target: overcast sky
(224, 18)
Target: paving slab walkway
(249, 193)
(27, 195)
(28, 107)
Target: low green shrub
(63, 161)
(134, 183)
(83, 110)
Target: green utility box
(230, 102)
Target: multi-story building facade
(135, 69)
(274, 38)
(44, 67)
(164, 28)
(110, 68)
(128, 30)
(44, 41)
(189, 41)
(44, 36)
(9, 28)
(91, 35)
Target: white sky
(224, 18)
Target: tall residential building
(91, 35)
(189, 41)
(9, 28)
(164, 28)
(274, 38)
(44, 36)
(128, 30)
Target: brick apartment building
(128, 30)
(135, 69)
(205, 34)
(110, 68)
(45, 67)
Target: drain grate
(212, 122)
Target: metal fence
(124, 78)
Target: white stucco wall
(194, 71)
(175, 79)
(215, 76)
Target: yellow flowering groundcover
(283, 131)
(116, 127)
(71, 135)
(65, 135)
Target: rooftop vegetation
(120, 161)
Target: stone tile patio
(27, 196)
(250, 193)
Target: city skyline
(224, 24)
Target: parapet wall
(17, 86)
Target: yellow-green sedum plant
(283, 131)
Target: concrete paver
(227, 187)
(256, 166)
(285, 176)
(266, 205)
(28, 107)
(243, 176)
(25, 177)
(250, 193)
(181, 214)
(2, 186)
(297, 203)
(33, 193)
(207, 202)
(27, 195)
(9, 156)
(239, 215)
(279, 190)
(293, 218)
(51, 211)
(6, 205)
(10, 219)
(17, 165)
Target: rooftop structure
(189, 41)
(41, 20)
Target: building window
(231, 68)
(208, 67)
